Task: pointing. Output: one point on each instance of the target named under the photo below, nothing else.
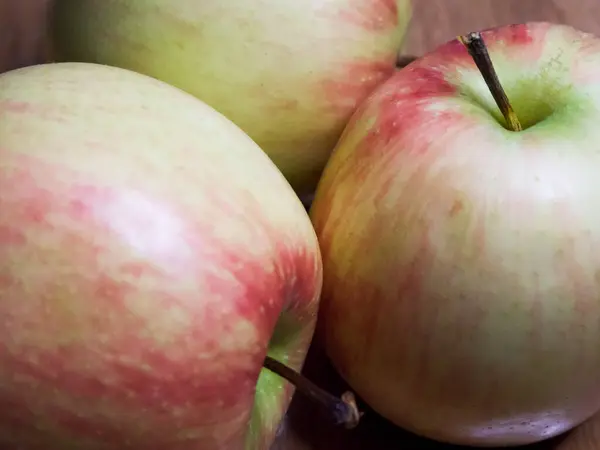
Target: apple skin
(289, 73)
(461, 295)
(150, 255)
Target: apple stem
(404, 60)
(343, 410)
(478, 50)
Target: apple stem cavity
(478, 50)
(343, 410)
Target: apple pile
(159, 275)
(161, 281)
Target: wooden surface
(22, 32)
(437, 21)
(22, 24)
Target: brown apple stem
(478, 50)
(343, 410)
(405, 60)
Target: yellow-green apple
(461, 294)
(289, 73)
(150, 256)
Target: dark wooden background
(437, 21)
(22, 27)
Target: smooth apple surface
(289, 73)
(461, 293)
(150, 255)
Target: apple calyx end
(477, 48)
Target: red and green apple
(461, 259)
(151, 255)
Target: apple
(461, 260)
(151, 255)
(289, 73)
